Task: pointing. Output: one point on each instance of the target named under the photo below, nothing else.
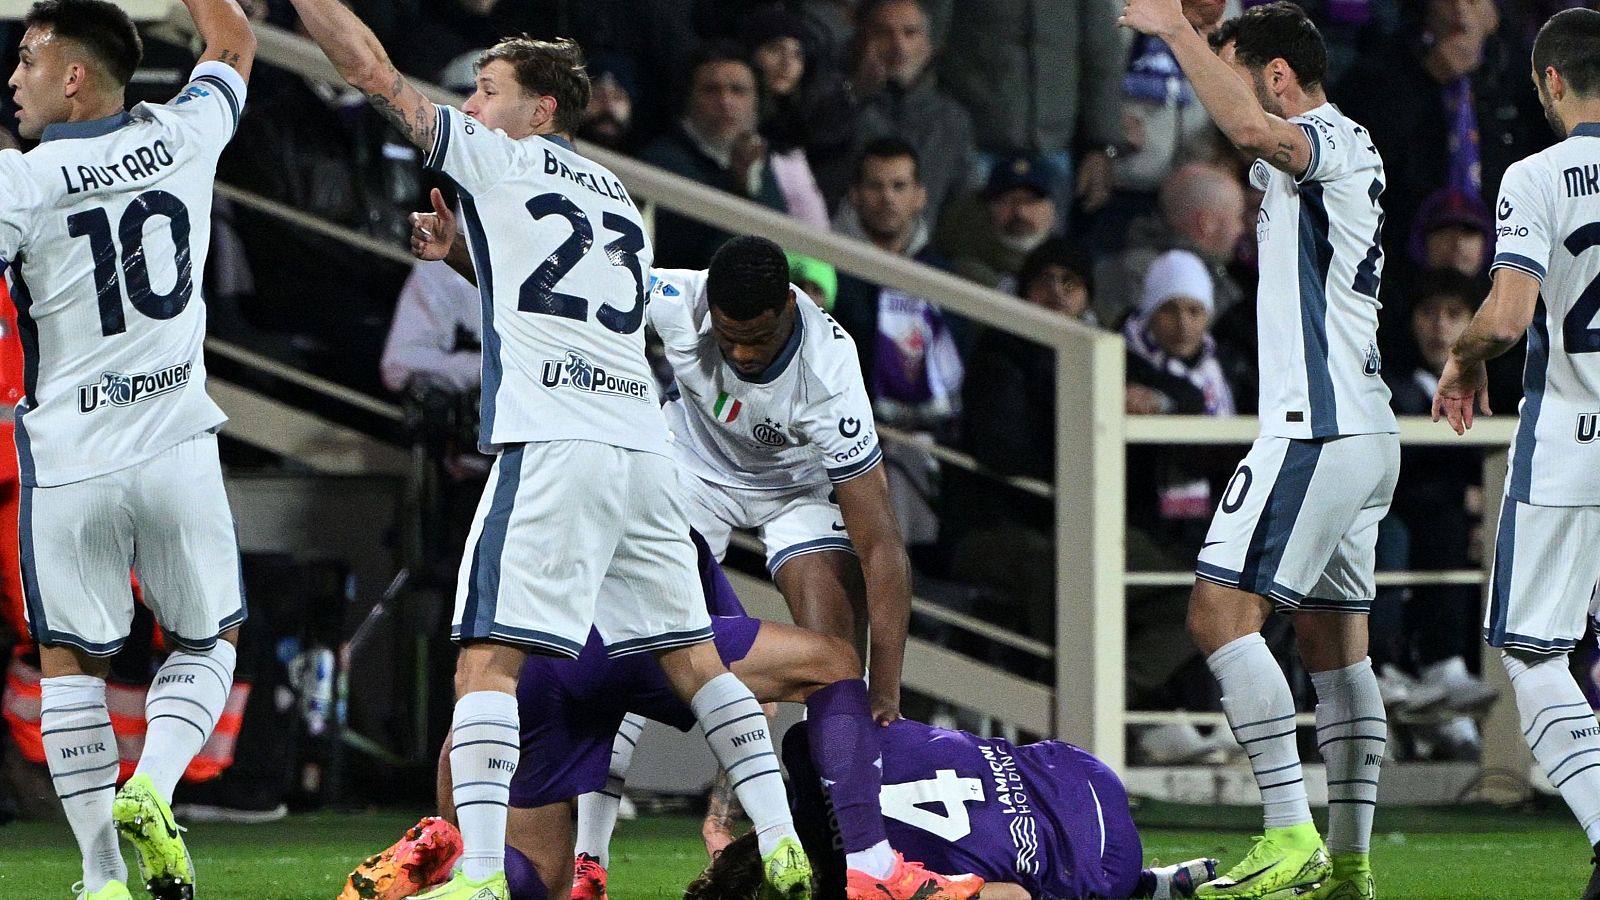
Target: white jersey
(561, 258)
(1317, 304)
(105, 226)
(1549, 227)
(806, 420)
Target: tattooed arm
(355, 52)
(226, 33)
(1229, 99)
(722, 813)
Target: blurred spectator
(1163, 127)
(805, 113)
(830, 22)
(1172, 360)
(1436, 507)
(1452, 231)
(998, 536)
(1041, 77)
(436, 337)
(1447, 105)
(894, 84)
(656, 35)
(716, 144)
(909, 348)
(988, 235)
(608, 119)
(816, 277)
(1201, 208)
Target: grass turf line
(1507, 856)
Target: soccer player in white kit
(1297, 524)
(104, 229)
(582, 523)
(1546, 274)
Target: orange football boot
(588, 878)
(910, 881)
(419, 860)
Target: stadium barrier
(1086, 704)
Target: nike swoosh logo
(1256, 874)
(838, 528)
(1209, 544)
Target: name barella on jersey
(806, 420)
(1548, 226)
(104, 228)
(1317, 305)
(562, 260)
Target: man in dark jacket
(716, 144)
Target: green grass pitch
(1456, 854)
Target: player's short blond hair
(550, 69)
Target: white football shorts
(1542, 587)
(572, 534)
(791, 522)
(167, 519)
(1298, 522)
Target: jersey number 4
(539, 294)
(109, 271)
(907, 803)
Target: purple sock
(844, 748)
(522, 879)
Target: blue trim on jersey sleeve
(846, 472)
(1534, 373)
(1316, 256)
(804, 547)
(780, 363)
(493, 369)
(483, 578)
(1505, 543)
(227, 94)
(1519, 262)
(1278, 517)
(1316, 153)
(441, 139)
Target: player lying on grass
(1045, 820)
(570, 712)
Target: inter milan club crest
(769, 433)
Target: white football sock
(877, 860)
(1351, 734)
(737, 731)
(1561, 729)
(598, 810)
(181, 710)
(484, 748)
(1260, 710)
(81, 751)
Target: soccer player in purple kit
(1045, 820)
(571, 711)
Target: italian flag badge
(727, 408)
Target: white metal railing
(1088, 704)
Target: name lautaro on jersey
(145, 162)
(577, 372)
(118, 389)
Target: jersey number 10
(109, 272)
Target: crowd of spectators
(1027, 145)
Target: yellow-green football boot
(146, 821)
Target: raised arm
(355, 52)
(1229, 99)
(225, 30)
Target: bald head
(1205, 204)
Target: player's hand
(433, 233)
(885, 704)
(1460, 388)
(1158, 18)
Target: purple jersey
(570, 709)
(1047, 816)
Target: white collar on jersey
(87, 129)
